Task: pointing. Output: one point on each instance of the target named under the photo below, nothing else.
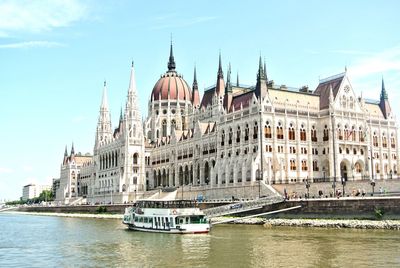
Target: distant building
(31, 191)
(55, 187)
(215, 142)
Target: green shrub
(101, 209)
(379, 212)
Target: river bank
(69, 215)
(320, 223)
(268, 223)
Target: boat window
(197, 219)
(150, 220)
(176, 220)
(136, 219)
(172, 221)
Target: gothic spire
(72, 149)
(228, 86)
(261, 86)
(220, 72)
(132, 80)
(220, 87)
(260, 74)
(120, 115)
(195, 88)
(65, 152)
(171, 62)
(384, 95)
(384, 102)
(237, 79)
(104, 100)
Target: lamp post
(308, 184)
(334, 154)
(258, 178)
(343, 184)
(373, 186)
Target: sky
(55, 56)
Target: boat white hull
(201, 230)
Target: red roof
(242, 100)
(207, 97)
(171, 86)
(323, 90)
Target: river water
(46, 241)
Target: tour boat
(161, 216)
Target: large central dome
(171, 85)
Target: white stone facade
(326, 134)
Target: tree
(46, 195)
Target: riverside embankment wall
(361, 208)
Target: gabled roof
(242, 100)
(207, 97)
(323, 89)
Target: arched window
(291, 132)
(230, 135)
(357, 167)
(377, 170)
(255, 130)
(292, 164)
(339, 133)
(267, 131)
(164, 128)
(384, 140)
(361, 134)
(279, 131)
(313, 134)
(246, 133)
(223, 138)
(303, 135)
(346, 133)
(135, 158)
(304, 165)
(238, 134)
(326, 133)
(375, 140)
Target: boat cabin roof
(166, 203)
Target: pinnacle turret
(220, 87)
(171, 62)
(195, 90)
(384, 95)
(228, 87)
(72, 149)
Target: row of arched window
(109, 160)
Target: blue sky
(55, 55)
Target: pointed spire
(132, 80)
(72, 149)
(120, 116)
(66, 151)
(171, 62)
(104, 100)
(260, 74)
(237, 79)
(195, 90)
(228, 87)
(261, 85)
(384, 95)
(220, 87)
(220, 72)
(194, 77)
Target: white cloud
(39, 15)
(31, 44)
(4, 170)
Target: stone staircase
(239, 207)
